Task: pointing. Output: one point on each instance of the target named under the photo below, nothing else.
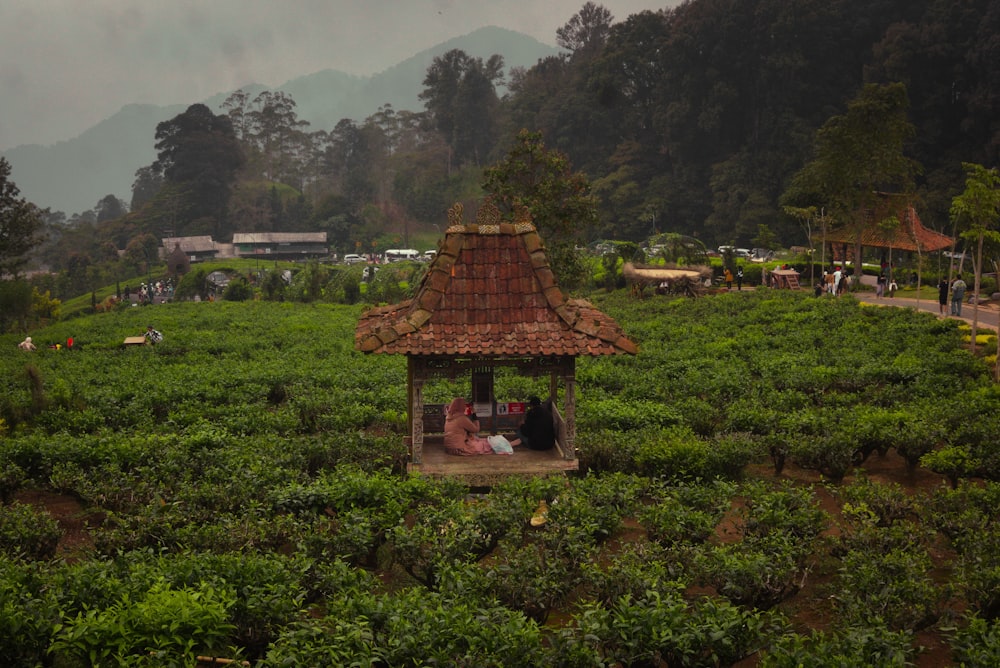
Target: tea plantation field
(775, 480)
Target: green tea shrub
(363, 508)
(12, 478)
(416, 627)
(238, 291)
(28, 532)
(894, 587)
(955, 462)
(268, 589)
(439, 536)
(963, 510)
(605, 450)
(28, 613)
(590, 511)
(674, 454)
(637, 568)
(626, 416)
(978, 570)
(661, 630)
(832, 454)
(977, 643)
(873, 645)
(782, 509)
(756, 573)
(532, 579)
(886, 502)
(163, 625)
(326, 642)
(686, 513)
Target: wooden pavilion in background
(909, 236)
(489, 300)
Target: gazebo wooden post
(415, 383)
(569, 413)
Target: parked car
(353, 258)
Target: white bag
(500, 445)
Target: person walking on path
(729, 279)
(957, 294)
(942, 295)
(739, 278)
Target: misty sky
(67, 64)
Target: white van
(400, 254)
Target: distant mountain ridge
(73, 175)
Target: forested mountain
(72, 175)
(693, 119)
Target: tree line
(696, 120)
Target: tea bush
(164, 626)
(977, 643)
(29, 612)
(872, 645)
(27, 532)
(256, 454)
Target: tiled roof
(189, 244)
(907, 236)
(490, 291)
(279, 237)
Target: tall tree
(145, 187)
(978, 210)
(198, 153)
(20, 223)
(460, 97)
(587, 30)
(859, 156)
(110, 208)
(559, 199)
(278, 133)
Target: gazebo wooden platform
(488, 470)
(490, 300)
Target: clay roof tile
(490, 291)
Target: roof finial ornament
(522, 219)
(455, 215)
(488, 217)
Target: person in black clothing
(537, 432)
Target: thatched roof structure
(655, 273)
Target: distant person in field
(729, 279)
(461, 431)
(942, 295)
(538, 431)
(153, 336)
(957, 295)
(27, 344)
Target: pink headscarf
(456, 407)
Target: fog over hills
(73, 175)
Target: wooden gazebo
(910, 235)
(488, 300)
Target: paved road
(989, 314)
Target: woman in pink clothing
(461, 431)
